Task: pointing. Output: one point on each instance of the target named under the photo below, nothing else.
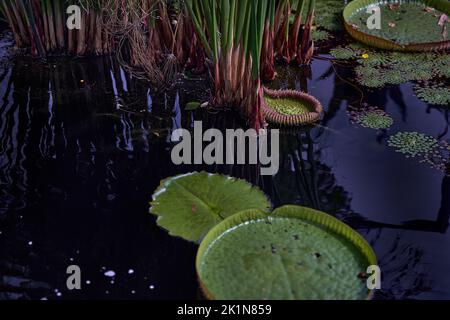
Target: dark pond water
(83, 145)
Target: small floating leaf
(191, 106)
(189, 205)
(296, 253)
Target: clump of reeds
(232, 34)
(40, 27)
(287, 35)
(155, 38)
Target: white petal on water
(110, 274)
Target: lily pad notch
(356, 6)
(303, 108)
(189, 205)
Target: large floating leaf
(296, 253)
(409, 25)
(190, 205)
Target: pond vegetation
(359, 152)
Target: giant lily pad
(290, 107)
(407, 25)
(189, 205)
(295, 253)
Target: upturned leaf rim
(275, 117)
(386, 44)
(318, 218)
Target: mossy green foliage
(434, 94)
(404, 24)
(424, 148)
(287, 106)
(329, 14)
(376, 69)
(320, 35)
(371, 117)
(328, 19)
(413, 144)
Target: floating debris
(110, 274)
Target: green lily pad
(295, 253)
(189, 205)
(411, 25)
(191, 106)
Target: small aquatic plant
(425, 148)
(376, 69)
(434, 94)
(371, 117)
(329, 14)
(413, 144)
(320, 35)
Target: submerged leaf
(189, 205)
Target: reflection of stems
(314, 176)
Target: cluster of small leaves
(371, 117)
(352, 51)
(413, 144)
(427, 149)
(397, 68)
(434, 94)
(329, 14)
(320, 35)
(376, 69)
